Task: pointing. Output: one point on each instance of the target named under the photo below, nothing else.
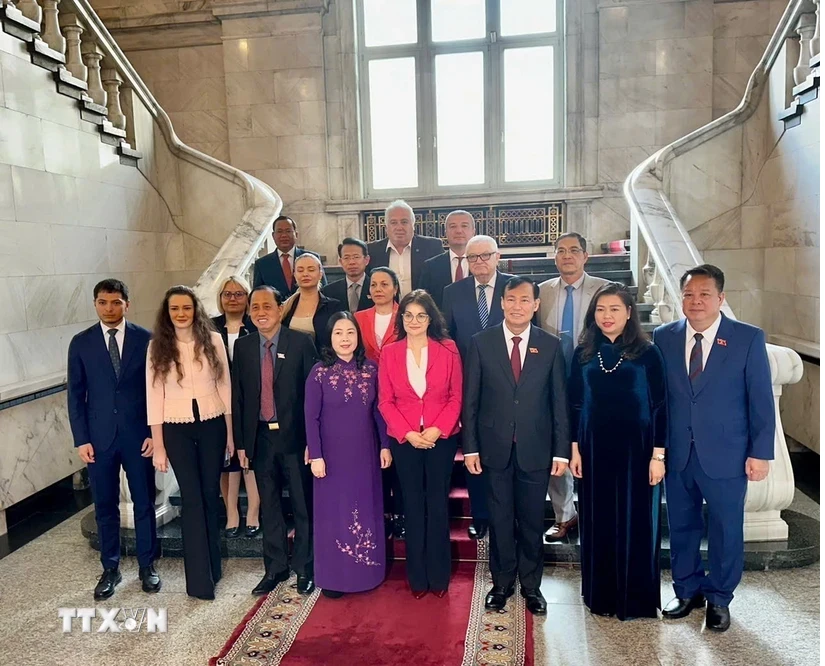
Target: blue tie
(567, 326)
(483, 312)
(695, 363)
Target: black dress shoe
(497, 597)
(305, 584)
(106, 584)
(332, 594)
(270, 581)
(536, 603)
(717, 618)
(252, 530)
(679, 608)
(477, 529)
(233, 532)
(399, 529)
(150, 579)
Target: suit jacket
(247, 327)
(268, 271)
(423, 248)
(548, 314)
(296, 356)
(436, 275)
(400, 405)
(103, 406)
(460, 309)
(729, 415)
(499, 414)
(326, 308)
(338, 291)
(366, 322)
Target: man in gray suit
(564, 302)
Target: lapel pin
(721, 342)
(533, 350)
(280, 355)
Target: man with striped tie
(469, 306)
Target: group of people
(356, 396)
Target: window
(460, 95)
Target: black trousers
(196, 451)
(393, 496)
(516, 503)
(425, 484)
(272, 470)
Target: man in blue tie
(106, 380)
(564, 302)
(721, 430)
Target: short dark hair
(112, 286)
(265, 287)
(353, 241)
(705, 270)
(288, 219)
(578, 237)
(517, 281)
(437, 329)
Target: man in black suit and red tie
(451, 265)
(403, 250)
(516, 428)
(277, 269)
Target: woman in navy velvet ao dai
(348, 448)
(619, 423)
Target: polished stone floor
(775, 615)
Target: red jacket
(400, 405)
(366, 322)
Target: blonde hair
(241, 282)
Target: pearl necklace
(614, 368)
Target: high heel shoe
(440, 593)
(419, 594)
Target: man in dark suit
(450, 266)
(403, 251)
(354, 289)
(278, 269)
(107, 412)
(269, 370)
(516, 428)
(470, 306)
(721, 428)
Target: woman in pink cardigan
(189, 409)
(419, 390)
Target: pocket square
(533, 350)
(280, 355)
(721, 342)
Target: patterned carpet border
(267, 632)
(495, 638)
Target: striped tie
(483, 312)
(695, 364)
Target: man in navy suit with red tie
(107, 412)
(720, 436)
(277, 269)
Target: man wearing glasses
(564, 302)
(469, 306)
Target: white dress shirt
(561, 300)
(522, 347)
(231, 338)
(488, 292)
(708, 339)
(402, 265)
(417, 374)
(465, 266)
(121, 333)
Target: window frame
(424, 51)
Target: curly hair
(328, 355)
(163, 352)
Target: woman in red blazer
(377, 323)
(419, 396)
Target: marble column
(111, 80)
(92, 56)
(805, 28)
(73, 29)
(166, 485)
(766, 499)
(51, 27)
(815, 39)
(31, 10)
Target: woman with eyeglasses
(234, 323)
(419, 390)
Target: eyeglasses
(229, 295)
(575, 251)
(484, 256)
(421, 317)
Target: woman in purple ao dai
(348, 448)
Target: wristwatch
(660, 457)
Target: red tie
(515, 358)
(459, 272)
(267, 385)
(287, 270)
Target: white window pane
(458, 19)
(528, 114)
(459, 90)
(389, 22)
(393, 129)
(527, 17)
